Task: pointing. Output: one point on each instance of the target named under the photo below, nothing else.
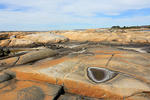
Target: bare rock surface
(83, 70)
(118, 37)
(126, 74)
(32, 40)
(75, 97)
(46, 38)
(28, 90)
(27, 58)
(21, 43)
(5, 43)
(36, 55)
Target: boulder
(5, 63)
(27, 57)
(21, 43)
(44, 38)
(36, 55)
(5, 43)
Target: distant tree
(148, 26)
(124, 27)
(130, 27)
(115, 27)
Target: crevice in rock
(16, 55)
(10, 65)
(15, 62)
(11, 84)
(7, 83)
(109, 60)
(60, 92)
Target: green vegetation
(130, 27)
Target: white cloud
(80, 7)
(109, 7)
(56, 12)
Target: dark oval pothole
(100, 75)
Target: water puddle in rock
(99, 75)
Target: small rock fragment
(4, 77)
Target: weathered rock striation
(73, 70)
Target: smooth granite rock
(36, 55)
(71, 72)
(28, 57)
(5, 43)
(127, 37)
(8, 62)
(45, 38)
(21, 43)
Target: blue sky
(30, 15)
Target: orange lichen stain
(137, 98)
(50, 63)
(89, 90)
(97, 60)
(125, 56)
(123, 60)
(101, 56)
(39, 65)
(95, 57)
(108, 52)
(49, 97)
(35, 77)
(8, 96)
